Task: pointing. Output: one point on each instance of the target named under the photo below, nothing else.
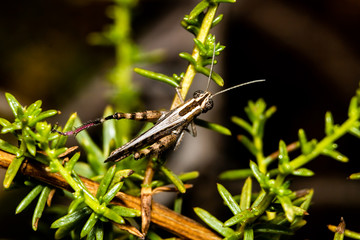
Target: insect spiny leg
(92, 123)
(81, 128)
(141, 116)
(148, 115)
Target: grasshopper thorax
(204, 99)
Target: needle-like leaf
(228, 199)
(213, 222)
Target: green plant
(89, 215)
(105, 204)
(276, 210)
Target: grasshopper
(168, 129)
(169, 126)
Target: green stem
(260, 155)
(264, 204)
(123, 46)
(303, 159)
(259, 207)
(280, 178)
(125, 98)
(191, 72)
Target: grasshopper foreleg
(149, 116)
(192, 130)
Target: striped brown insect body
(168, 129)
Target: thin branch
(146, 197)
(291, 147)
(162, 216)
(190, 71)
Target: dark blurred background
(307, 51)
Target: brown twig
(146, 197)
(178, 224)
(291, 147)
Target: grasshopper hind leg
(157, 147)
(147, 116)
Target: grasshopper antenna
(211, 68)
(239, 85)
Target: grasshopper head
(204, 99)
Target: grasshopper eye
(198, 93)
(209, 104)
